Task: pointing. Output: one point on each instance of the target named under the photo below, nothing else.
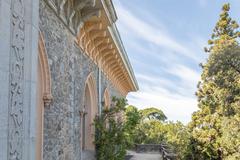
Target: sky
(164, 40)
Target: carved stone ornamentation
(15, 132)
(45, 69)
(74, 12)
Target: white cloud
(153, 79)
(151, 33)
(177, 103)
(175, 97)
(176, 107)
(184, 73)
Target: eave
(100, 39)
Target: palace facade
(61, 62)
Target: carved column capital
(47, 99)
(82, 112)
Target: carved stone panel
(15, 132)
(74, 12)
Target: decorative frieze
(74, 12)
(16, 90)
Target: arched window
(90, 105)
(44, 96)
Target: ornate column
(18, 67)
(16, 80)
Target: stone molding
(74, 12)
(92, 111)
(16, 84)
(91, 83)
(43, 63)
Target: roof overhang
(100, 39)
(93, 23)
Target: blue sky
(165, 40)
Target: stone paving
(131, 155)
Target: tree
(150, 132)
(154, 129)
(230, 139)
(178, 137)
(219, 90)
(114, 136)
(225, 32)
(153, 113)
(132, 118)
(109, 138)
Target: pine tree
(225, 32)
(219, 90)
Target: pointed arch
(45, 71)
(91, 107)
(44, 95)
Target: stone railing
(148, 148)
(166, 152)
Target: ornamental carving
(98, 43)
(45, 69)
(74, 12)
(15, 132)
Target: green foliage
(150, 128)
(225, 32)
(153, 113)
(131, 119)
(213, 133)
(153, 129)
(109, 139)
(230, 139)
(218, 96)
(149, 132)
(178, 136)
(113, 135)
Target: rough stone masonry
(59, 58)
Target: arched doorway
(90, 105)
(44, 96)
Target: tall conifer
(219, 90)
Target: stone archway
(90, 105)
(44, 96)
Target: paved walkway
(142, 156)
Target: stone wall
(148, 148)
(69, 68)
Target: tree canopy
(214, 131)
(218, 93)
(152, 113)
